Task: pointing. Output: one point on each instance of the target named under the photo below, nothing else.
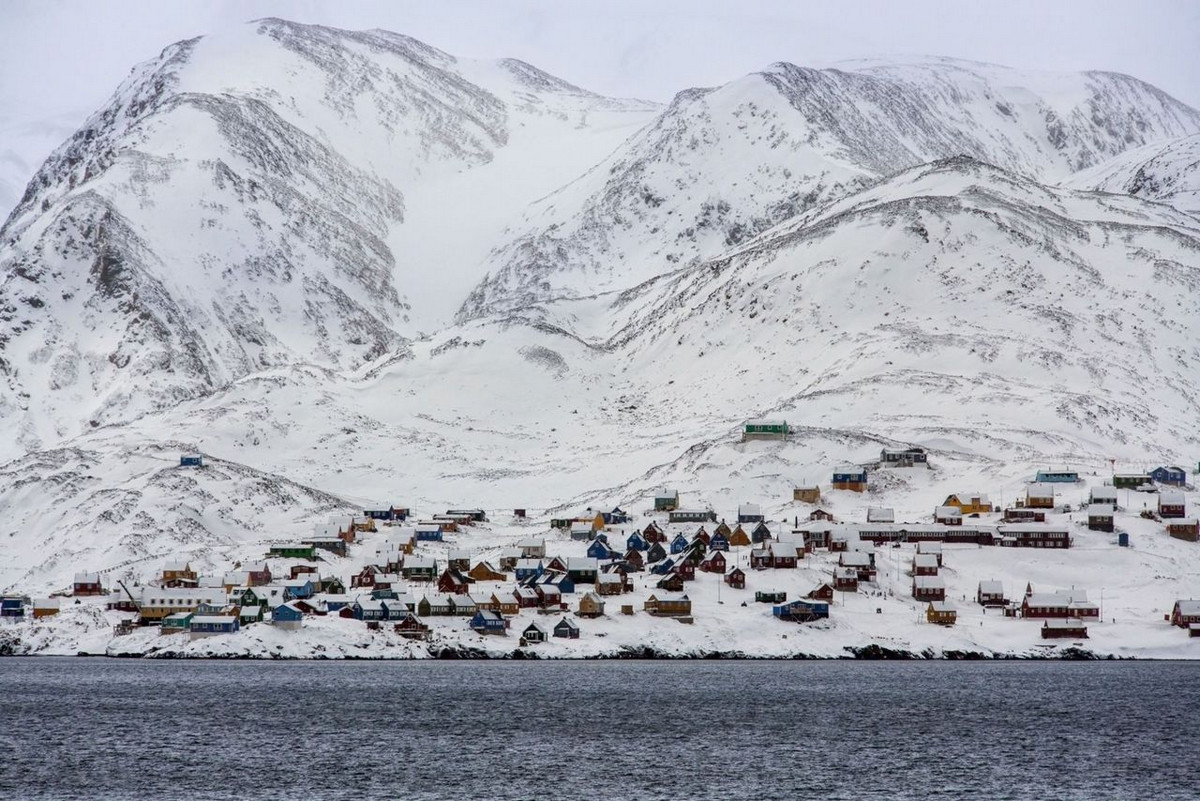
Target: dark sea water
(114, 729)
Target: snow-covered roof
(1101, 493)
(948, 511)
(87, 578)
(749, 509)
(1188, 607)
(213, 620)
(943, 606)
(1040, 490)
(881, 514)
(1067, 623)
(1101, 510)
(929, 582)
(1170, 498)
(925, 560)
(991, 587)
(925, 546)
(855, 559)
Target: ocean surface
(77, 728)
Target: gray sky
(61, 59)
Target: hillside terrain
(352, 270)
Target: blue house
(298, 589)
(636, 542)
(563, 581)
(369, 610)
(429, 533)
(565, 628)
(600, 550)
(204, 625)
(663, 568)
(1175, 476)
(393, 609)
(617, 517)
(488, 622)
(1056, 477)
(801, 611)
(760, 534)
(286, 614)
(679, 543)
(718, 542)
(12, 606)
(383, 595)
(191, 460)
(528, 568)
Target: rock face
(722, 165)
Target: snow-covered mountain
(721, 165)
(236, 206)
(1167, 172)
(255, 251)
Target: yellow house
(972, 503)
(598, 522)
(941, 612)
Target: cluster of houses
(489, 593)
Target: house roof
(1171, 498)
(1101, 510)
(87, 578)
(855, 559)
(925, 546)
(929, 582)
(992, 587)
(1063, 624)
(1188, 607)
(942, 606)
(948, 511)
(1040, 490)
(749, 509)
(925, 560)
(213, 620)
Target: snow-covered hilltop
(233, 207)
(721, 165)
(257, 251)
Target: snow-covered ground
(1135, 586)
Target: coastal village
(493, 578)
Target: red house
(929, 588)
(736, 578)
(1064, 629)
(715, 563)
(1185, 613)
(87, 584)
(635, 559)
(453, 582)
(784, 558)
(760, 559)
(1171, 504)
(686, 570)
(845, 579)
(653, 533)
(824, 592)
(302, 570)
(365, 577)
(527, 597)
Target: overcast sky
(61, 59)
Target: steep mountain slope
(999, 322)
(234, 207)
(1166, 172)
(721, 165)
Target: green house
(180, 621)
(250, 614)
(765, 429)
(294, 550)
(1130, 480)
(666, 501)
